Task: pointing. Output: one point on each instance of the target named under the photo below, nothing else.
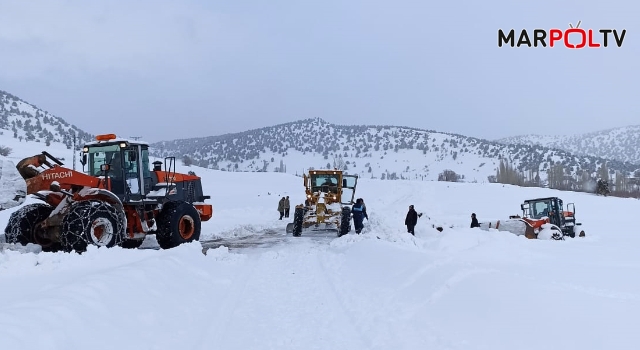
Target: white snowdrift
(12, 185)
(460, 288)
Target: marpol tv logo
(571, 38)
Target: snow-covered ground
(385, 289)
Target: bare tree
(5, 151)
(448, 175)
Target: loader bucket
(518, 227)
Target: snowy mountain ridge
(621, 143)
(374, 151)
(27, 123)
(378, 151)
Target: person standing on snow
(281, 207)
(359, 212)
(474, 221)
(412, 220)
(287, 206)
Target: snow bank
(13, 188)
(460, 288)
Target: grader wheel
(298, 218)
(345, 222)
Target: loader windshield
(540, 209)
(103, 155)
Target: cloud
(74, 36)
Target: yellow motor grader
(327, 207)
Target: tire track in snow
(411, 280)
(283, 304)
(381, 321)
(218, 330)
(340, 302)
(444, 288)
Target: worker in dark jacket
(474, 221)
(287, 206)
(359, 212)
(412, 220)
(281, 207)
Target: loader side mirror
(105, 167)
(344, 182)
(84, 159)
(522, 207)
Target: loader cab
(123, 163)
(540, 208)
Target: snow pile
(461, 288)
(13, 188)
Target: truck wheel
(345, 222)
(22, 226)
(298, 218)
(92, 222)
(179, 223)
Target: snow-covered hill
(621, 144)
(27, 123)
(385, 152)
(373, 152)
(457, 289)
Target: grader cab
(327, 207)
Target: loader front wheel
(179, 223)
(298, 218)
(92, 222)
(23, 225)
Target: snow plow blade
(518, 227)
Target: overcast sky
(175, 69)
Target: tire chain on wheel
(25, 219)
(77, 224)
